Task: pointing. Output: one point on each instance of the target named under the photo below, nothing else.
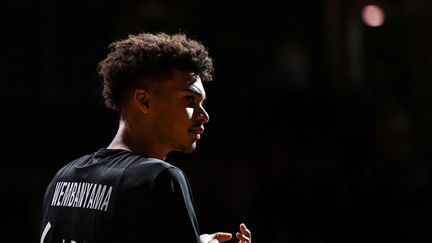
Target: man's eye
(190, 98)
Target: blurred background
(320, 113)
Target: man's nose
(203, 115)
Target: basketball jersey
(118, 196)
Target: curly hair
(150, 57)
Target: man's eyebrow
(194, 91)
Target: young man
(126, 192)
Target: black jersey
(118, 196)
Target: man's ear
(141, 99)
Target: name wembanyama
(82, 195)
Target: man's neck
(129, 140)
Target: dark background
(321, 126)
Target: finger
(245, 230)
(222, 236)
(242, 237)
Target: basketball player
(126, 192)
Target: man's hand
(215, 238)
(244, 235)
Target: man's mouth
(197, 131)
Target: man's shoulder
(151, 168)
(117, 160)
(122, 166)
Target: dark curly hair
(149, 57)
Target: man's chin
(187, 149)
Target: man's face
(177, 112)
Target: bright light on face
(190, 112)
(373, 15)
